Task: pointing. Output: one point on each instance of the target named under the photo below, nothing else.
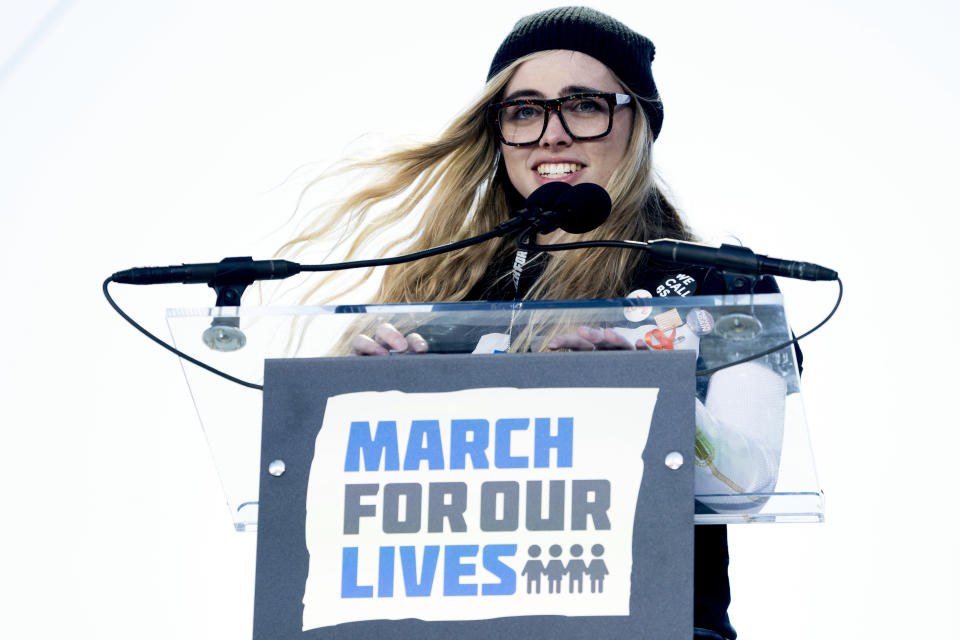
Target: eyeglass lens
(584, 118)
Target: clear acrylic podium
(723, 329)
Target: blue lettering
(348, 577)
(476, 447)
(381, 446)
(453, 569)
(459, 561)
(408, 563)
(469, 438)
(424, 443)
(501, 455)
(543, 441)
(491, 562)
(385, 579)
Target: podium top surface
(759, 404)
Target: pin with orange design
(657, 339)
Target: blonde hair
(459, 189)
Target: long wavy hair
(457, 187)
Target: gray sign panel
(661, 585)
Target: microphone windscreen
(545, 197)
(583, 208)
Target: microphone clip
(230, 283)
(224, 332)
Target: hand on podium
(387, 339)
(593, 339)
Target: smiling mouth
(558, 169)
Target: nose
(555, 135)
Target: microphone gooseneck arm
(728, 258)
(736, 259)
(244, 271)
(230, 277)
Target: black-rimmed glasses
(585, 116)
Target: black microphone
(543, 199)
(736, 259)
(584, 208)
(229, 271)
(246, 270)
(579, 209)
(540, 203)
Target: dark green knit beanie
(627, 53)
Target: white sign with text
(474, 504)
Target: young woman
(570, 97)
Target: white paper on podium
(474, 574)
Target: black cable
(376, 262)
(450, 247)
(409, 257)
(707, 372)
(586, 244)
(170, 347)
(244, 271)
(523, 244)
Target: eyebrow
(533, 93)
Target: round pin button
(700, 321)
(638, 314)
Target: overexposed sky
(162, 132)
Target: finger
(416, 343)
(570, 341)
(613, 340)
(590, 334)
(606, 339)
(366, 346)
(387, 335)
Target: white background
(141, 133)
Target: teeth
(558, 169)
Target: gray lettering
(596, 508)
(353, 510)
(413, 494)
(488, 506)
(535, 519)
(438, 509)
